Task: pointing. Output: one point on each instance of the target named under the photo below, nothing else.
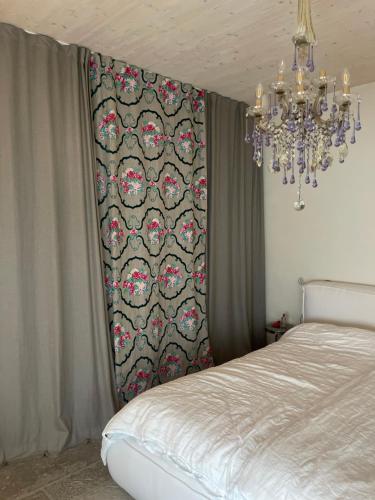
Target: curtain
(55, 359)
(152, 197)
(236, 278)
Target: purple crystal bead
(275, 111)
(291, 126)
(292, 179)
(341, 159)
(248, 138)
(325, 163)
(324, 106)
(307, 180)
(285, 180)
(310, 60)
(337, 141)
(358, 125)
(352, 139)
(315, 183)
(301, 170)
(334, 109)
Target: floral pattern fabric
(151, 184)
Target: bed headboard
(349, 304)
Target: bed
(295, 420)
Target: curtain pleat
(55, 359)
(236, 258)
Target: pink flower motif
(133, 232)
(200, 276)
(129, 130)
(113, 178)
(163, 370)
(186, 135)
(138, 275)
(204, 231)
(130, 286)
(170, 85)
(157, 322)
(111, 117)
(92, 63)
(154, 225)
(125, 186)
(131, 174)
(108, 69)
(114, 224)
(115, 284)
(150, 127)
(149, 85)
(172, 359)
(152, 183)
(133, 387)
(127, 336)
(143, 375)
(117, 329)
(170, 180)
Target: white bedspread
(294, 421)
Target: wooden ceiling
(227, 46)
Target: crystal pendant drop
(299, 205)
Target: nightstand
(274, 334)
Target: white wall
(334, 236)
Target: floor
(76, 473)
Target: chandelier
(296, 120)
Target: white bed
(295, 420)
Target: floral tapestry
(152, 196)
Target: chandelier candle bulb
(346, 82)
(299, 78)
(259, 95)
(280, 75)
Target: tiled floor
(75, 474)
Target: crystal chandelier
(296, 121)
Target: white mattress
(292, 421)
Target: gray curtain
(55, 358)
(236, 269)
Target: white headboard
(340, 303)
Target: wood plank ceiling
(227, 46)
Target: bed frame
(340, 303)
